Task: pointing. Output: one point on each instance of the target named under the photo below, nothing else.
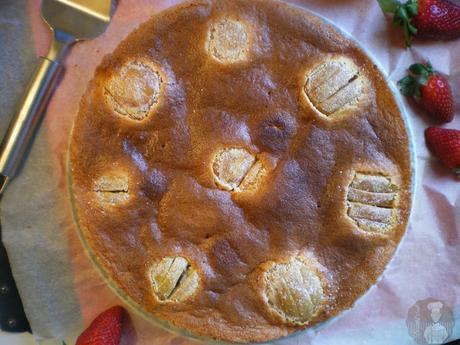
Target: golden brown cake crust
(253, 99)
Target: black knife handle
(12, 316)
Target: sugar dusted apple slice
(370, 212)
(371, 198)
(112, 188)
(372, 202)
(334, 85)
(230, 166)
(294, 291)
(235, 169)
(173, 279)
(254, 177)
(228, 40)
(373, 183)
(135, 89)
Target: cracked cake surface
(240, 169)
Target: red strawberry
(436, 19)
(445, 144)
(431, 90)
(105, 329)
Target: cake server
(70, 21)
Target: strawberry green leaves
(389, 6)
(410, 85)
(403, 14)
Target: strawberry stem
(388, 6)
(419, 75)
(403, 15)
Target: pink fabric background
(427, 262)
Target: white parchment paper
(61, 289)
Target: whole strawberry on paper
(42, 238)
(426, 19)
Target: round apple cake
(240, 169)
